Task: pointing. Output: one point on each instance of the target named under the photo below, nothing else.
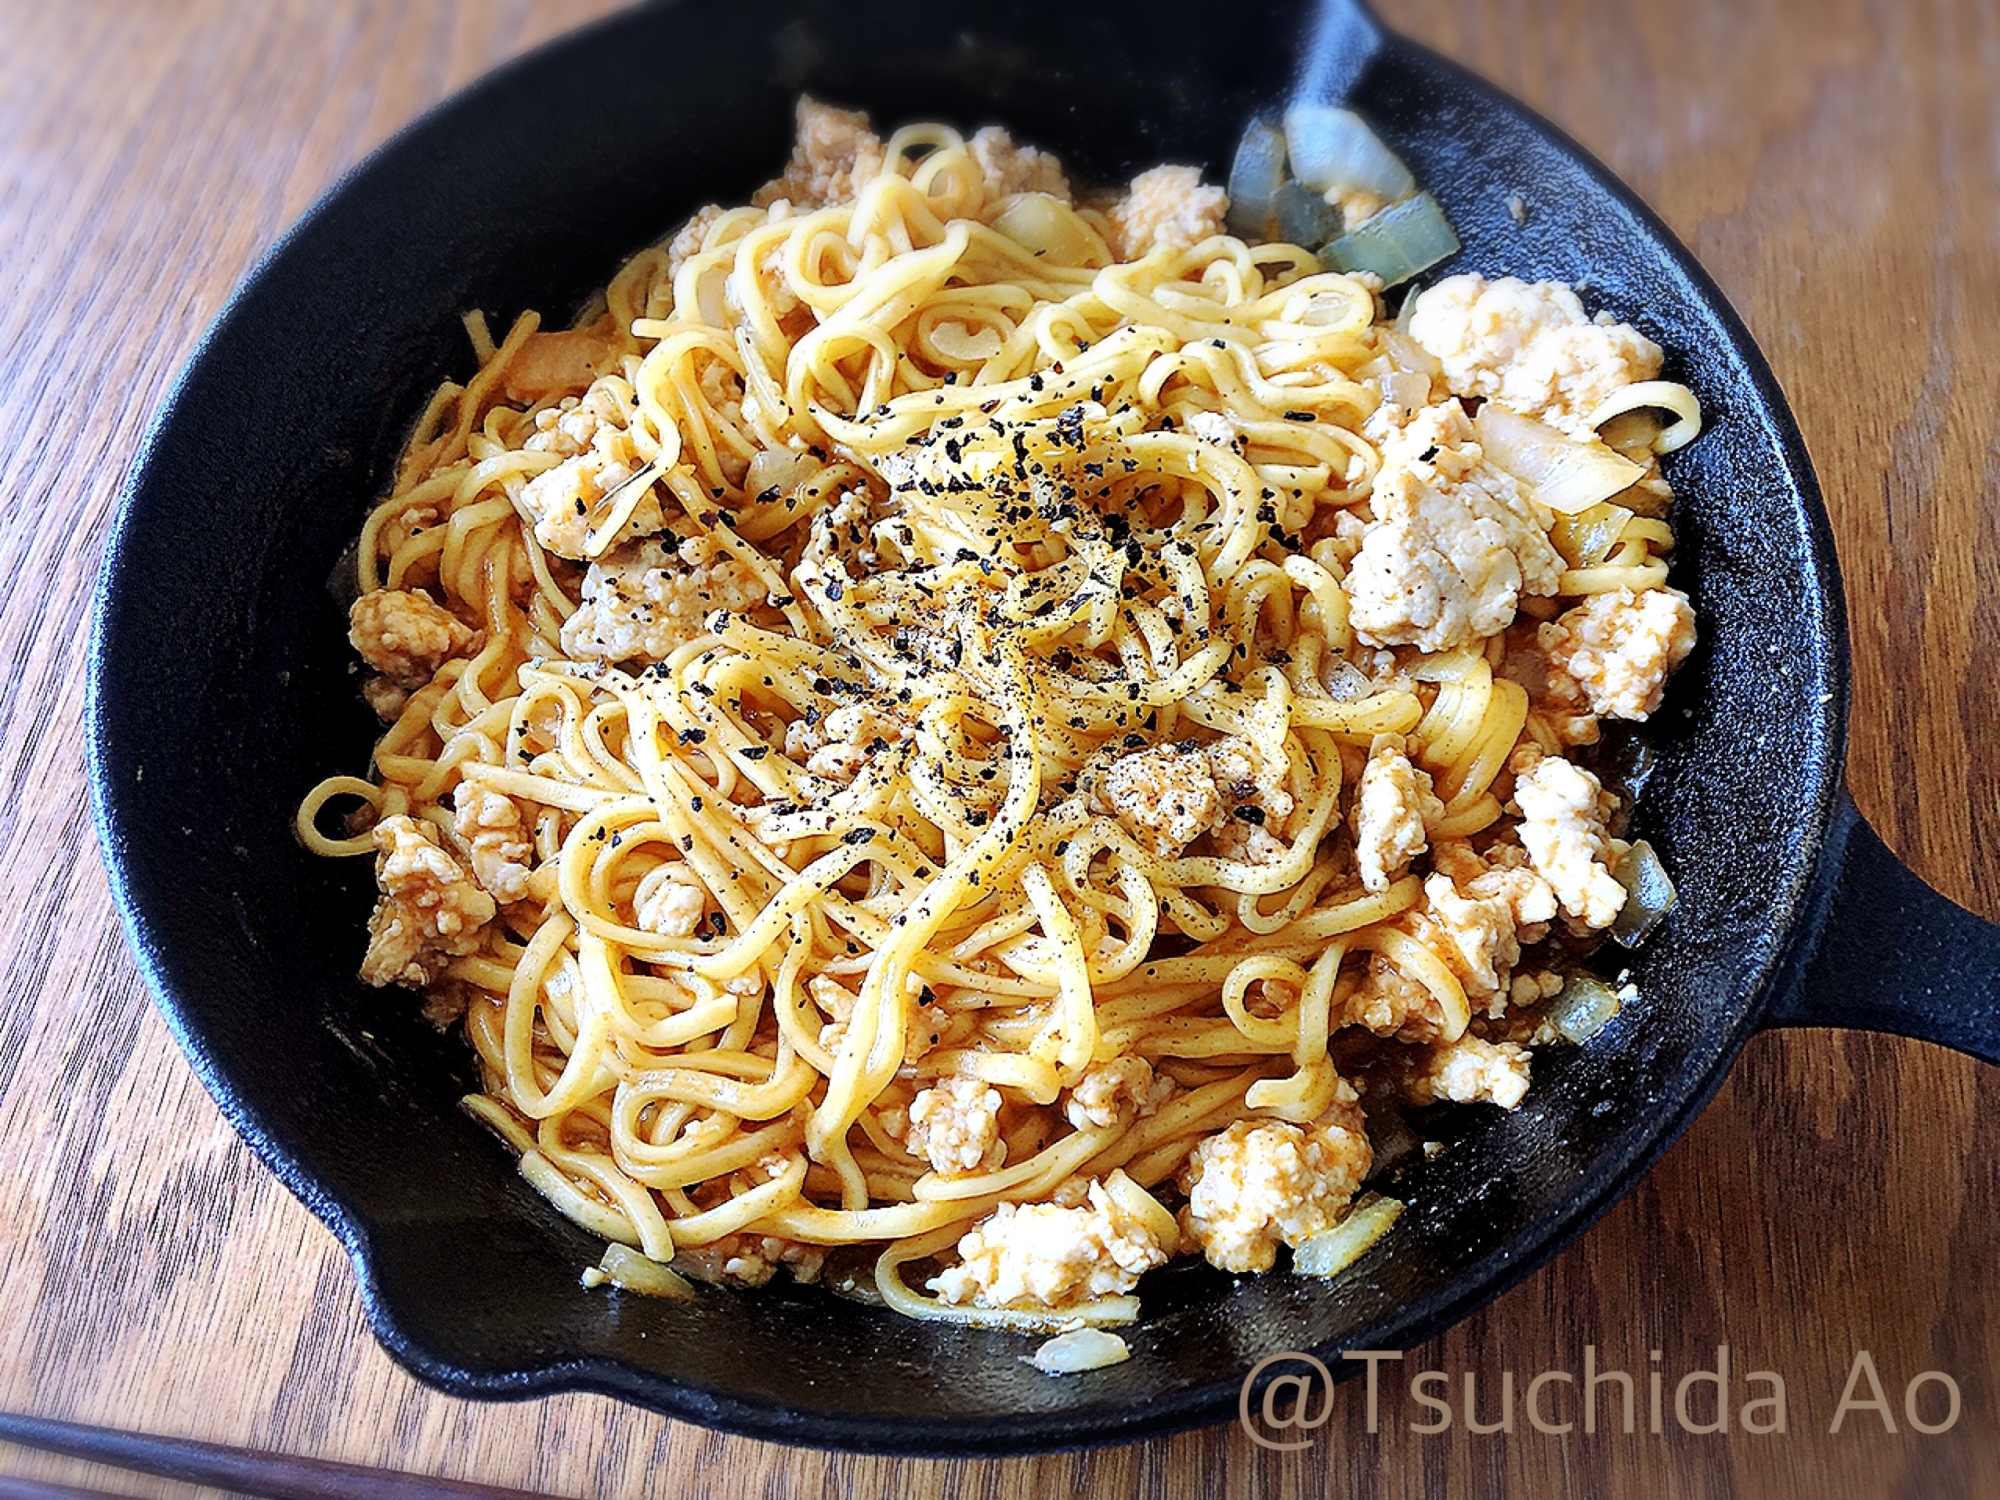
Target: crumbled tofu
(405, 637)
(1530, 347)
(1167, 208)
(749, 1260)
(838, 745)
(1263, 1182)
(687, 241)
(1043, 1255)
(1253, 805)
(1440, 434)
(490, 827)
(648, 601)
(1563, 814)
(1216, 428)
(1481, 911)
(1164, 797)
(1482, 933)
(1454, 544)
(671, 900)
(430, 910)
(1388, 1002)
(1618, 648)
(835, 156)
(1350, 530)
(776, 290)
(592, 437)
(1394, 805)
(1009, 168)
(1470, 1070)
(921, 1026)
(1113, 1094)
(384, 697)
(955, 1125)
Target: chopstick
(14, 1487)
(247, 1471)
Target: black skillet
(221, 689)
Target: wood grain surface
(1834, 163)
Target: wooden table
(1832, 162)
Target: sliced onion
(1083, 1349)
(1397, 243)
(779, 469)
(1584, 1008)
(956, 341)
(1407, 353)
(1037, 222)
(1650, 894)
(1304, 217)
(625, 1267)
(1345, 682)
(1333, 148)
(1586, 538)
(1332, 1251)
(1567, 475)
(1407, 389)
(1254, 179)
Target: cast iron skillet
(221, 690)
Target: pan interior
(221, 677)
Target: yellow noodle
(738, 945)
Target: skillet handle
(1345, 37)
(1890, 954)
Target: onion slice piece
(1567, 476)
(1584, 1008)
(1043, 225)
(1334, 148)
(1332, 1251)
(1304, 217)
(1397, 243)
(1254, 179)
(1079, 1350)
(1587, 538)
(1650, 894)
(626, 1268)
